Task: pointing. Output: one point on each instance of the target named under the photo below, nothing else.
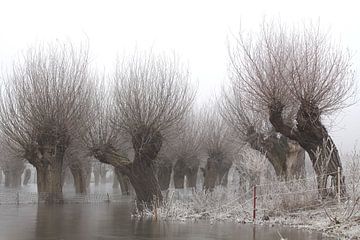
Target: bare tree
(151, 94)
(251, 127)
(299, 71)
(43, 104)
(186, 150)
(218, 149)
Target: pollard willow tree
(186, 151)
(151, 95)
(301, 71)
(251, 126)
(44, 102)
(218, 149)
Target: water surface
(113, 221)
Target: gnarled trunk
(80, 182)
(311, 134)
(286, 157)
(49, 182)
(145, 184)
(124, 184)
(123, 180)
(147, 145)
(140, 171)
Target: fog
(196, 31)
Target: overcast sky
(196, 30)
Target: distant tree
(300, 71)
(186, 150)
(217, 147)
(44, 103)
(27, 176)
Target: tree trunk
(96, 178)
(1, 175)
(145, 184)
(79, 180)
(16, 178)
(179, 174)
(123, 181)
(285, 156)
(49, 183)
(7, 178)
(27, 177)
(295, 161)
(140, 171)
(210, 174)
(164, 175)
(311, 134)
(191, 176)
(13, 178)
(115, 181)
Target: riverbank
(330, 218)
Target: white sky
(196, 30)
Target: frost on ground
(293, 203)
(341, 220)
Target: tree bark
(49, 183)
(140, 171)
(286, 157)
(311, 134)
(79, 176)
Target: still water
(113, 221)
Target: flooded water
(113, 221)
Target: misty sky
(197, 31)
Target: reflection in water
(112, 221)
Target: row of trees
(56, 112)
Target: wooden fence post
(339, 187)
(254, 203)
